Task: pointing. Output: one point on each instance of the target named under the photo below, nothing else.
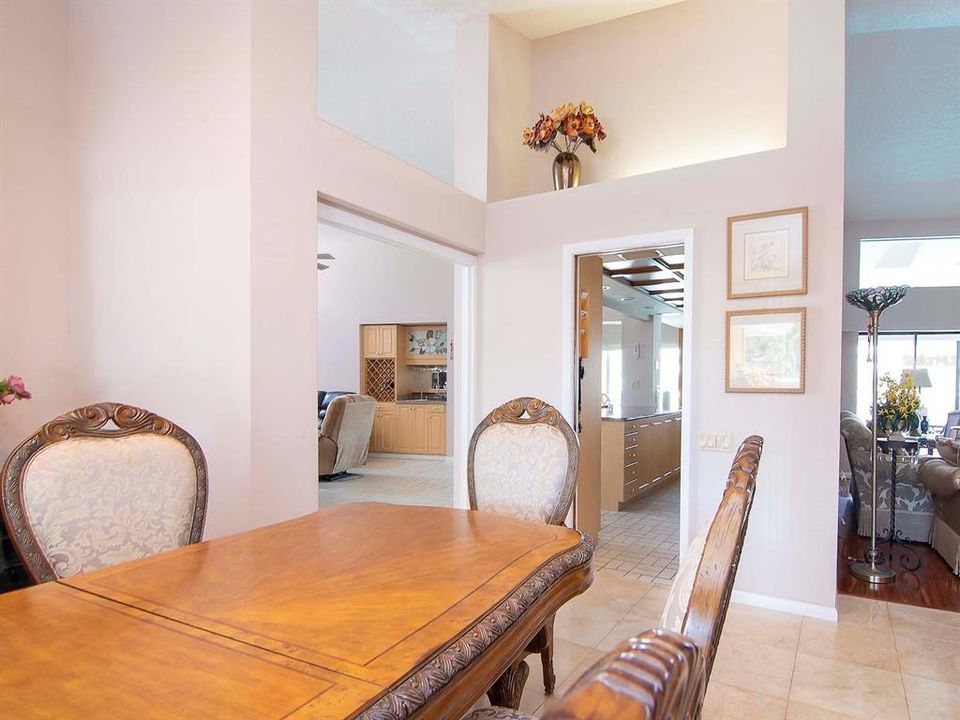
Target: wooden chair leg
(542, 645)
(546, 658)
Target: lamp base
(872, 574)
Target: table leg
(506, 691)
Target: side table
(893, 537)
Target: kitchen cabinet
(379, 341)
(414, 428)
(637, 455)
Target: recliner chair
(324, 398)
(344, 436)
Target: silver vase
(566, 171)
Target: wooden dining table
(367, 610)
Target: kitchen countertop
(622, 413)
(417, 401)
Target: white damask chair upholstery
(523, 462)
(102, 485)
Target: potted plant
(577, 125)
(897, 409)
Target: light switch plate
(717, 441)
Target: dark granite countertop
(623, 413)
(418, 401)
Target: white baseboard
(408, 456)
(795, 607)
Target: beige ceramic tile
(927, 658)
(860, 611)
(849, 643)
(613, 591)
(762, 626)
(630, 626)
(651, 605)
(584, 625)
(567, 657)
(799, 711)
(932, 700)
(727, 702)
(847, 688)
(910, 621)
(532, 698)
(758, 668)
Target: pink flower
(18, 388)
(7, 399)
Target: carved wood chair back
(698, 601)
(523, 461)
(101, 485)
(658, 675)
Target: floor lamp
(874, 301)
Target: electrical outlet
(637, 385)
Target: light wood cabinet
(437, 430)
(384, 437)
(638, 455)
(414, 429)
(379, 341)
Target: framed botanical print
(766, 350)
(767, 254)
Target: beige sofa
(344, 437)
(942, 478)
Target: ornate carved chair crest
(523, 461)
(101, 485)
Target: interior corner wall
(35, 258)
(688, 83)
(160, 227)
(296, 156)
(471, 95)
(794, 512)
(509, 111)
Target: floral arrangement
(576, 124)
(13, 389)
(898, 405)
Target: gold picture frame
(770, 359)
(766, 258)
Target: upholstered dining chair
(523, 462)
(700, 595)
(102, 485)
(662, 674)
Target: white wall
(389, 82)
(638, 367)
(509, 111)
(187, 225)
(35, 257)
(688, 83)
(386, 284)
(160, 182)
(794, 515)
(923, 310)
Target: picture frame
(767, 254)
(766, 350)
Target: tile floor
(643, 541)
(881, 661)
(403, 481)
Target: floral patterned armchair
(102, 485)
(914, 503)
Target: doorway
(645, 432)
(406, 339)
